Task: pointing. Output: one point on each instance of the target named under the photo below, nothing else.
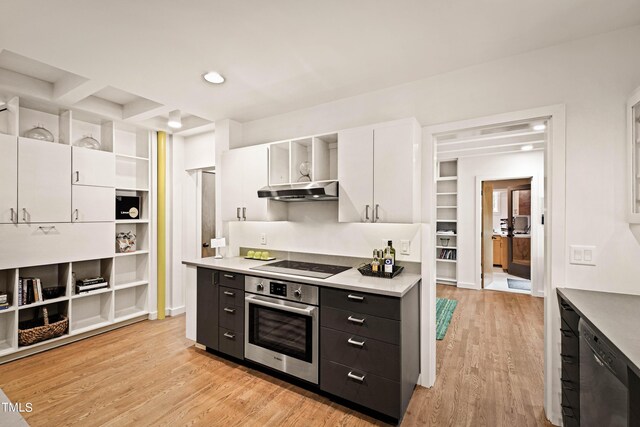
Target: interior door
(94, 167)
(208, 212)
(355, 169)
(393, 177)
(519, 239)
(44, 190)
(487, 233)
(8, 179)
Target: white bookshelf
(447, 222)
(127, 297)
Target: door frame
(537, 282)
(555, 241)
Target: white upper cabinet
(44, 191)
(355, 175)
(8, 179)
(93, 167)
(93, 204)
(633, 119)
(244, 172)
(379, 173)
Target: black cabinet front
(207, 308)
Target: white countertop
(350, 280)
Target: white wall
(592, 77)
(200, 151)
(313, 228)
(502, 166)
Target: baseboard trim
(176, 311)
(467, 285)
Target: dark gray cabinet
(207, 307)
(570, 355)
(370, 348)
(220, 316)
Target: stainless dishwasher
(603, 381)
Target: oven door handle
(304, 311)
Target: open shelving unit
(320, 151)
(447, 222)
(128, 275)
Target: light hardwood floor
(489, 373)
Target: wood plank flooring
(490, 372)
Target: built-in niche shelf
(309, 159)
(447, 222)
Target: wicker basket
(35, 334)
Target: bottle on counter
(388, 261)
(393, 251)
(375, 264)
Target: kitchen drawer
(231, 297)
(569, 316)
(375, 357)
(570, 393)
(570, 413)
(365, 325)
(570, 343)
(360, 302)
(570, 368)
(232, 280)
(231, 317)
(377, 393)
(55, 243)
(231, 343)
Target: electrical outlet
(405, 247)
(582, 255)
(263, 238)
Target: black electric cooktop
(298, 268)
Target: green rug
(444, 312)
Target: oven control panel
(278, 289)
(291, 291)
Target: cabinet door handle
(238, 213)
(230, 310)
(24, 214)
(231, 294)
(354, 342)
(355, 320)
(230, 336)
(366, 212)
(377, 215)
(244, 214)
(12, 214)
(355, 297)
(77, 215)
(229, 276)
(353, 376)
(77, 176)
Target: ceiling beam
(19, 84)
(71, 89)
(143, 109)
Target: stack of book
(92, 284)
(29, 290)
(4, 302)
(448, 254)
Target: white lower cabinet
(93, 204)
(8, 179)
(44, 190)
(55, 243)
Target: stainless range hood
(303, 192)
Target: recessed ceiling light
(539, 126)
(175, 119)
(213, 77)
(527, 147)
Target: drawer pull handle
(231, 294)
(229, 336)
(229, 276)
(567, 359)
(353, 376)
(567, 333)
(354, 342)
(355, 320)
(230, 310)
(567, 384)
(47, 228)
(355, 297)
(567, 411)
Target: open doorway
(506, 235)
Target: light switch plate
(263, 238)
(405, 247)
(582, 255)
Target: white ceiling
(281, 55)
